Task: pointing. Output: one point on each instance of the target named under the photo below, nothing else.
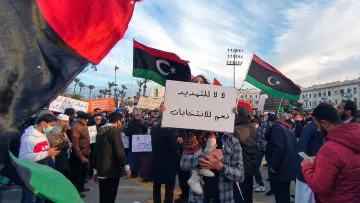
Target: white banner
(141, 143)
(125, 140)
(201, 107)
(149, 103)
(262, 100)
(93, 133)
(61, 103)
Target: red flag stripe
(266, 65)
(216, 82)
(192, 77)
(90, 27)
(160, 53)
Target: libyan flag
(159, 66)
(44, 45)
(268, 79)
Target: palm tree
(76, 81)
(99, 96)
(123, 93)
(110, 85)
(139, 83)
(81, 85)
(102, 92)
(145, 81)
(91, 87)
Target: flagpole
(280, 106)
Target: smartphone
(303, 155)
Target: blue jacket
(281, 149)
(310, 142)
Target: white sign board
(61, 103)
(141, 143)
(125, 140)
(93, 133)
(200, 107)
(149, 103)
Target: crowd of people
(210, 166)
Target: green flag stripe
(271, 91)
(147, 74)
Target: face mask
(48, 129)
(103, 114)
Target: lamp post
(235, 58)
(116, 68)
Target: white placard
(125, 140)
(61, 103)
(149, 103)
(93, 133)
(198, 106)
(141, 143)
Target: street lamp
(235, 58)
(116, 68)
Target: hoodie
(247, 135)
(34, 145)
(335, 175)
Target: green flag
(281, 110)
(44, 181)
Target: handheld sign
(149, 103)
(105, 104)
(141, 143)
(61, 103)
(198, 106)
(125, 140)
(93, 133)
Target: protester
(334, 174)
(281, 149)
(97, 111)
(35, 147)
(164, 162)
(79, 161)
(348, 110)
(261, 146)
(109, 159)
(57, 138)
(248, 138)
(98, 121)
(298, 119)
(310, 142)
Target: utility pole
(235, 58)
(116, 68)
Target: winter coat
(81, 140)
(335, 176)
(164, 155)
(135, 127)
(310, 142)
(247, 135)
(281, 150)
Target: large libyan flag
(268, 79)
(159, 66)
(44, 45)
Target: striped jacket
(233, 169)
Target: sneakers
(206, 172)
(194, 183)
(256, 185)
(260, 189)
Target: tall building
(333, 92)
(273, 103)
(250, 95)
(157, 91)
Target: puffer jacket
(335, 176)
(248, 137)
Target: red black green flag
(159, 66)
(44, 45)
(268, 79)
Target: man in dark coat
(281, 149)
(164, 162)
(248, 137)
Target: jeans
(108, 189)
(281, 191)
(258, 177)
(29, 197)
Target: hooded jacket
(34, 146)
(335, 176)
(247, 135)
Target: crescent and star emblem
(161, 71)
(273, 81)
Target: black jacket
(281, 150)
(135, 127)
(110, 158)
(164, 155)
(248, 137)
